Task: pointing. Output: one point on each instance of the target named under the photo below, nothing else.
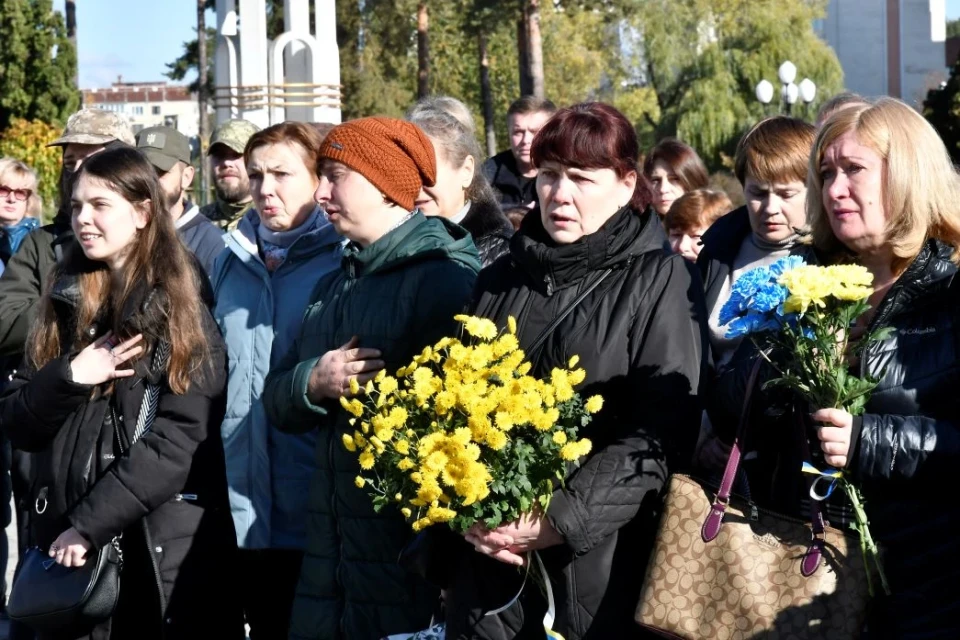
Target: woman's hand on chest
(101, 361)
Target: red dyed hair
(593, 135)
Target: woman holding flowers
(885, 194)
(638, 333)
(403, 278)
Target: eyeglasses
(18, 194)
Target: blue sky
(134, 39)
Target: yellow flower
(354, 407)
(577, 376)
(570, 451)
(441, 514)
(405, 465)
(348, 443)
(385, 435)
(524, 368)
(496, 439)
(366, 460)
(398, 497)
(593, 404)
(402, 447)
(377, 444)
(359, 440)
(560, 437)
(461, 436)
(359, 481)
(380, 376)
(478, 327)
(406, 512)
(354, 386)
(512, 325)
(573, 362)
(807, 285)
(421, 524)
(369, 388)
(388, 385)
(435, 462)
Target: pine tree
(37, 63)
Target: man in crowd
(88, 131)
(229, 173)
(512, 172)
(168, 151)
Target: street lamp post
(789, 92)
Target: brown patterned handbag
(723, 568)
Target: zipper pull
(549, 282)
(41, 498)
(190, 497)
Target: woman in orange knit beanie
(403, 279)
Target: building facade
(888, 47)
(149, 104)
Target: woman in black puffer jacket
(883, 193)
(125, 289)
(639, 333)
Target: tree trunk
(486, 97)
(423, 51)
(523, 52)
(71, 11)
(202, 99)
(534, 47)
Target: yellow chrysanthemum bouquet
(801, 317)
(464, 434)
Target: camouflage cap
(233, 134)
(95, 126)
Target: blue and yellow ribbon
(831, 476)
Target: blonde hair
(12, 166)
(921, 189)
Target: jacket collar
(551, 266)
(931, 272)
(243, 240)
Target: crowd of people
(332, 253)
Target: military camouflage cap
(95, 126)
(234, 134)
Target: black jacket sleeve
(894, 446)
(157, 466)
(36, 404)
(666, 344)
(20, 289)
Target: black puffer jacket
(640, 337)
(490, 229)
(906, 448)
(167, 495)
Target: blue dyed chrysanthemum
(756, 299)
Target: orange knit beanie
(394, 155)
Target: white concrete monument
(295, 77)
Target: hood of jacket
(419, 238)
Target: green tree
(942, 111)
(27, 141)
(702, 59)
(953, 28)
(189, 61)
(37, 63)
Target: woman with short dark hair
(638, 330)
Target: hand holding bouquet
(464, 435)
(801, 317)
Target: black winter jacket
(640, 337)
(906, 448)
(167, 495)
(490, 229)
(503, 175)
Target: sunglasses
(18, 194)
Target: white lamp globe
(764, 91)
(792, 92)
(787, 72)
(808, 90)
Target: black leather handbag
(51, 598)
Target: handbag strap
(711, 525)
(538, 342)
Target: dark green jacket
(397, 295)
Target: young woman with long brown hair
(126, 291)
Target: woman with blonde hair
(884, 194)
(20, 206)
